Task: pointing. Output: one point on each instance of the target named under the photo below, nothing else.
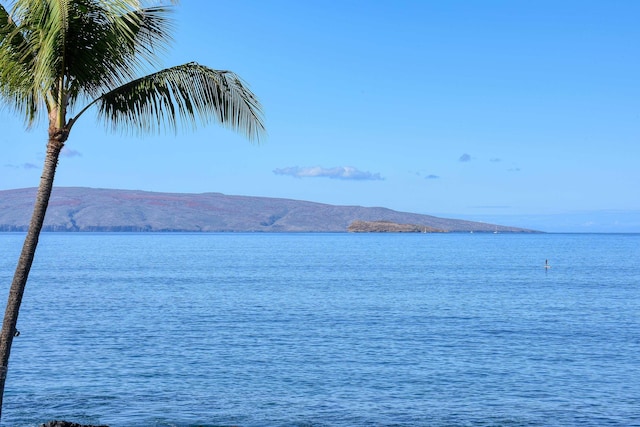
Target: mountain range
(90, 209)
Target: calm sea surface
(185, 330)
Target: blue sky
(516, 112)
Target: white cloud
(340, 172)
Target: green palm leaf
(108, 49)
(185, 95)
(55, 52)
(16, 77)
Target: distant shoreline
(74, 209)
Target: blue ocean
(315, 330)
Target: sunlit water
(138, 330)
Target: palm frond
(112, 46)
(180, 96)
(16, 77)
(35, 63)
(53, 52)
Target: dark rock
(66, 424)
(389, 227)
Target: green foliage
(183, 95)
(56, 54)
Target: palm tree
(63, 57)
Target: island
(389, 227)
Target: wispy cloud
(68, 152)
(465, 158)
(432, 177)
(495, 159)
(341, 172)
(514, 169)
(22, 166)
(490, 207)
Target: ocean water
(186, 330)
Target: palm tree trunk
(26, 257)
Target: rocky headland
(389, 227)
